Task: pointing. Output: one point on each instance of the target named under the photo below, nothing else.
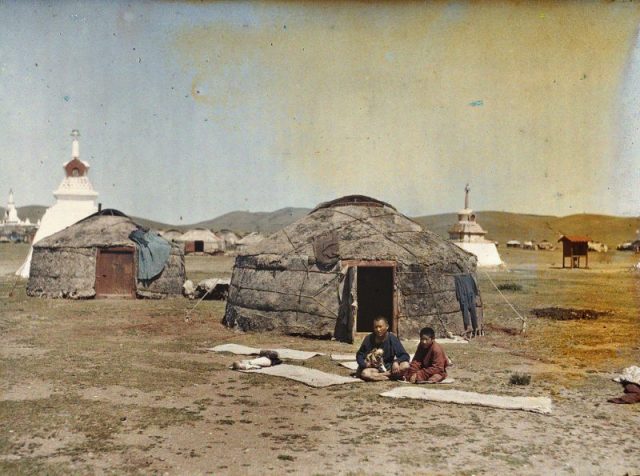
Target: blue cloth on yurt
(153, 253)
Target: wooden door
(115, 273)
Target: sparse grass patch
(510, 287)
(518, 378)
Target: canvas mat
(532, 404)
(311, 377)
(282, 353)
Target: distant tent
(229, 237)
(171, 234)
(201, 240)
(331, 272)
(249, 240)
(96, 258)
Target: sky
(189, 110)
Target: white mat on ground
(311, 377)
(351, 365)
(343, 356)
(531, 404)
(282, 353)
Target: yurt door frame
(361, 268)
(115, 272)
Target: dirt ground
(121, 386)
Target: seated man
(395, 360)
(429, 363)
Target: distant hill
(245, 222)
(501, 226)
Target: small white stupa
(75, 200)
(11, 213)
(469, 235)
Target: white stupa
(75, 200)
(469, 235)
(11, 213)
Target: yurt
(106, 255)
(201, 240)
(171, 234)
(229, 237)
(251, 239)
(349, 260)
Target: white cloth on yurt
(531, 404)
(311, 377)
(290, 354)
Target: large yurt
(106, 255)
(349, 260)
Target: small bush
(520, 379)
(286, 457)
(510, 287)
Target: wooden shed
(575, 247)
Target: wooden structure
(575, 247)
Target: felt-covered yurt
(106, 255)
(201, 240)
(349, 260)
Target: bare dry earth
(117, 386)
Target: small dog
(375, 359)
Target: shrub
(510, 287)
(519, 379)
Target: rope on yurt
(523, 319)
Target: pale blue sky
(189, 111)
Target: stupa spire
(75, 145)
(467, 189)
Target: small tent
(96, 257)
(349, 260)
(171, 234)
(201, 240)
(229, 237)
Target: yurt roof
(171, 233)
(251, 238)
(105, 228)
(364, 230)
(200, 234)
(353, 200)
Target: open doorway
(375, 296)
(198, 246)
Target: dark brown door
(115, 273)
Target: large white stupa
(469, 235)
(75, 200)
